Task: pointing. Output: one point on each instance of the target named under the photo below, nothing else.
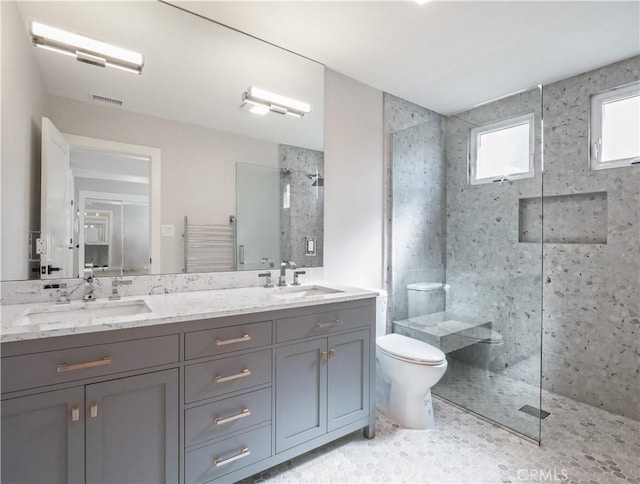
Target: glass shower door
(467, 254)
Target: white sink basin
(85, 311)
(302, 292)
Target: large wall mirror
(209, 159)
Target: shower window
(615, 127)
(501, 150)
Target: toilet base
(410, 411)
(415, 412)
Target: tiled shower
(549, 303)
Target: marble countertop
(162, 309)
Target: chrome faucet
(88, 283)
(282, 280)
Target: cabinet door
(348, 379)
(132, 429)
(301, 393)
(43, 437)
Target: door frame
(154, 156)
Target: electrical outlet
(41, 246)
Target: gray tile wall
(591, 319)
(492, 276)
(414, 202)
(305, 216)
(591, 336)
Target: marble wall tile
(19, 292)
(592, 301)
(414, 200)
(492, 276)
(305, 215)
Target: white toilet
(406, 371)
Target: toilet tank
(425, 298)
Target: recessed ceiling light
(421, 2)
(85, 49)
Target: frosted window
(615, 127)
(502, 150)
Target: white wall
(198, 164)
(23, 104)
(353, 211)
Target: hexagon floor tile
(580, 443)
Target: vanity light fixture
(263, 102)
(84, 49)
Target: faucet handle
(295, 277)
(267, 281)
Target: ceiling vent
(107, 100)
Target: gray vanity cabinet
(205, 400)
(321, 385)
(43, 437)
(132, 429)
(126, 429)
(348, 379)
(301, 393)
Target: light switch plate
(168, 230)
(309, 246)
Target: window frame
(474, 140)
(595, 125)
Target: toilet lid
(404, 348)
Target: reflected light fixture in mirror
(262, 102)
(84, 49)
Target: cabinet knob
(323, 356)
(332, 353)
(93, 411)
(75, 414)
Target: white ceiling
(445, 55)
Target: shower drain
(536, 412)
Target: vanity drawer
(213, 378)
(52, 367)
(213, 342)
(216, 460)
(217, 419)
(319, 324)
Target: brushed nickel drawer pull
(75, 414)
(329, 323)
(242, 374)
(245, 413)
(81, 366)
(243, 453)
(222, 342)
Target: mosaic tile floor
(580, 444)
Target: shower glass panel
(258, 215)
(467, 253)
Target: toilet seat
(411, 350)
